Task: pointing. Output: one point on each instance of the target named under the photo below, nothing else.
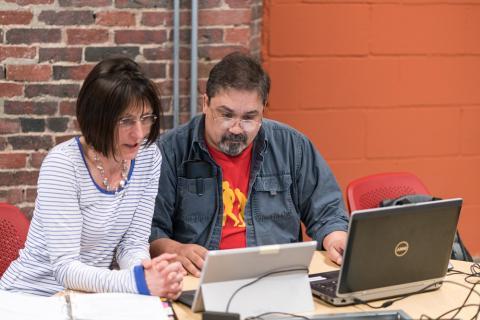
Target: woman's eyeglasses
(146, 121)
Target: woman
(96, 195)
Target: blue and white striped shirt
(77, 227)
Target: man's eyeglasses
(228, 122)
(146, 121)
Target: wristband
(139, 273)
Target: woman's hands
(164, 277)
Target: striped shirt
(78, 227)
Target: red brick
(28, 36)
(413, 132)
(224, 17)
(30, 107)
(470, 139)
(138, 4)
(140, 36)
(237, 35)
(218, 52)
(154, 70)
(36, 159)
(10, 89)
(204, 69)
(15, 178)
(31, 194)
(55, 90)
(86, 36)
(9, 126)
(60, 54)
(15, 17)
(35, 72)
(12, 196)
(85, 3)
(209, 35)
(342, 123)
(161, 53)
(67, 108)
(71, 72)
(115, 18)
(95, 54)
(30, 142)
(204, 4)
(63, 138)
(422, 29)
(64, 18)
(27, 2)
(153, 19)
(13, 160)
(17, 52)
(3, 143)
(205, 35)
(317, 29)
(238, 3)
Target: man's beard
(233, 144)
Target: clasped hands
(164, 276)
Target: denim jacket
(289, 182)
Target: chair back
(367, 192)
(13, 233)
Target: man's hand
(191, 256)
(163, 276)
(335, 243)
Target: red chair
(13, 233)
(369, 191)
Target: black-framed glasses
(146, 120)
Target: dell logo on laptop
(401, 248)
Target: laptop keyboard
(327, 287)
(325, 282)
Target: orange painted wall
(383, 85)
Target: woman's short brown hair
(112, 87)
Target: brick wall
(384, 85)
(48, 46)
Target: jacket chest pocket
(272, 200)
(196, 202)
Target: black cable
(426, 317)
(458, 309)
(271, 313)
(260, 278)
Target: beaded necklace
(101, 169)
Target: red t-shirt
(236, 173)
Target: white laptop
(392, 251)
(254, 280)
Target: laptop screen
(398, 245)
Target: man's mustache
(235, 138)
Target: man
(231, 178)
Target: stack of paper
(80, 306)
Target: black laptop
(392, 251)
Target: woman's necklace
(101, 169)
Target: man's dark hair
(112, 87)
(241, 72)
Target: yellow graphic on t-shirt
(228, 202)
